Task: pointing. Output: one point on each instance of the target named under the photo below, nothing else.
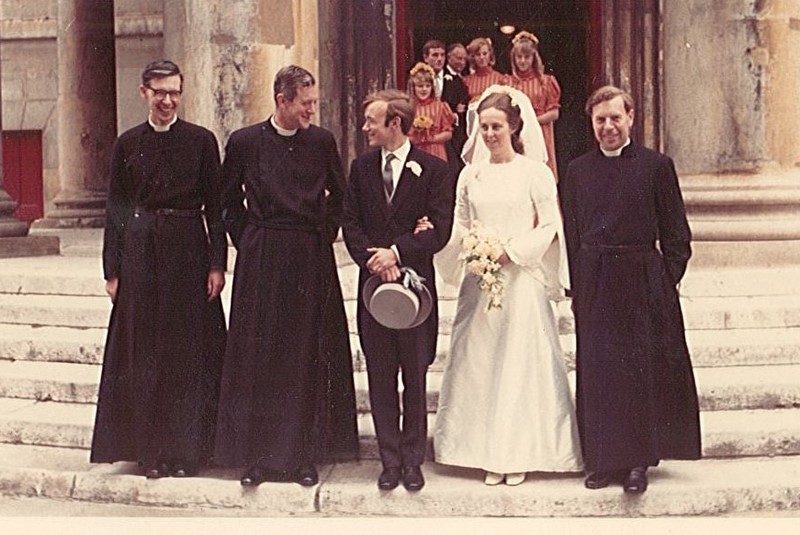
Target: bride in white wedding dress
(505, 404)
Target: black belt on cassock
(170, 212)
(618, 249)
(278, 225)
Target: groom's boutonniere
(448, 77)
(415, 167)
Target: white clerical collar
(401, 152)
(162, 127)
(281, 131)
(451, 71)
(616, 152)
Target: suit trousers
(389, 351)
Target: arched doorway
(585, 43)
(563, 27)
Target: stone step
(709, 487)
(82, 275)
(722, 388)
(725, 433)
(700, 313)
(714, 347)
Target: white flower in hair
(415, 167)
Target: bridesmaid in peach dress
(542, 89)
(433, 119)
(482, 59)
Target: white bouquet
(480, 252)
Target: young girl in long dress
(433, 119)
(505, 404)
(542, 89)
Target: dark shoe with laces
(158, 470)
(253, 477)
(600, 480)
(306, 476)
(413, 479)
(636, 480)
(389, 478)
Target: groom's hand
(382, 259)
(390, 275)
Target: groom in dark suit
(389, 190)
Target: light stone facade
(717, 89)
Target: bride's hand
(423, 224)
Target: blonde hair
(419, 74)
(475, 45)
(526, 43)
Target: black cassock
(636, 395)
(287, 390)
(163, 355)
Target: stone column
(229, 52)
(730, 86)
(9, 225)
(87, 114)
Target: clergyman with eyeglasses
(164, 259)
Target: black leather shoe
(306, 476)
(184, 469)
(600, 480)
(389, 478)
(636, 481)
(157, 470)
(412, 478)
(253, 477)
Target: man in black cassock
(628, 243)
(287, 398)
(164, 258)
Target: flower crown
(422, 67)
(525, 35)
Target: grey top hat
(403, 304)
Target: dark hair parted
(398, 104)
(430, 45)
(605, 93)
(502, 102)
(160, 69)
(289, 79)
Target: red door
(22, 172)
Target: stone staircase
(743, 329)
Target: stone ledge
(706, 487)
(14, 247)
(47, 27)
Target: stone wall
(30, 70)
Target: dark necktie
(388, 183)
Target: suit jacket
(369, 221)
(454, 92)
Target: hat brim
(424, 296)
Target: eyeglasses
(160, 94)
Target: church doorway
(565, 31)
